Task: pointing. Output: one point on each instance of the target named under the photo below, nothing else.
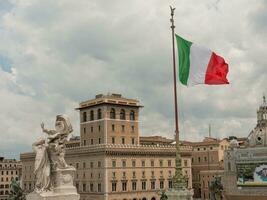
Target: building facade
(10, 169)
(245, 175)
(207, 162)
(111, 162)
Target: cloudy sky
(54, 54)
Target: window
(113, 174)
(134, 186)
(124, 174)
(170, 173)
(132, 115)
(113, 140)
(161, 163)
(153, 185)
(112, 113)
(161, 173)
(91, 164)
(114, 187)
(99, 114)
(123, 140)
(133, 163)
(92, 129)
(92, 141)
(152, 174)
(152, 163)
(122, 114)
(169, 163)
(113, 163)
(99, 187)
(205, 159)
(84, 142)
(161, 184)
(84, 165)
(132, 129)
(132, 140)
(84, 130)
(99, 128)
(99, 140)
(77, 165)
(211, 148)
(170, 184)
(91, 115)
(122, 128)
(113, 127)
(91, 187)
(185, 163)
(84, 117)
(99, 164)
(204, 148)
(133, 174)
(77, 186)
(198, 149)
(143, 163)
(124, 186)
(192, 160)
(143, 185)
(124, 163)
(84, 187)
(199, 159)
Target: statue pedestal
(182, 194)
(63, 189)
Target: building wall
(9, 169)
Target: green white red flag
(199, 65)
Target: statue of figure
(50, 153)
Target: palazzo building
(112, 162)
(9, 169)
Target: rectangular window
(152, 174)
(132, 128)
(84, 142)
(134, 186)
(113, 174)
(124, 174)
(99, 164)
(99, 128)
(153, 185)
(185, 163)
(133, 174)
(91, 164)
(132, 140)
(143, 185)
(114, 187)
(99, 140)
(124, 163)
(113, 140)
(133, 163)
(92, 129)
(84, 187)
(124, 186)
(77, 165)
(161, 184)
(113, 127)
(91, 187)
(84, 130)
(84, 165)
(92, 141)
(123, 140)
(113, 163)
(161, 163)
(122, 128)
(169, 163)
(170, 184)
(143, 163)
(99, 187)
(152, 163)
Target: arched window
(122, 114)
(112, 113)
(99, 114)
(132, 115)
(84, 117)
(91, 115)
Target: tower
(109, 119)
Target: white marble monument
(54, 178)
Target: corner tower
(109, 119)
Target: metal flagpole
(178, 179)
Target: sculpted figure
(50, 153)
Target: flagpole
(178, 179)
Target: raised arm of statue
(49, 132)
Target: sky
(55, 54)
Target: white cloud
(64, 52)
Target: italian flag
(199, 65)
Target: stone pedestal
(182, 194)
(63, 189)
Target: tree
(16, 192)
(216, 188)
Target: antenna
(209, 130)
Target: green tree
(16, 192)
(216, 188)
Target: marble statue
(54, 177)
